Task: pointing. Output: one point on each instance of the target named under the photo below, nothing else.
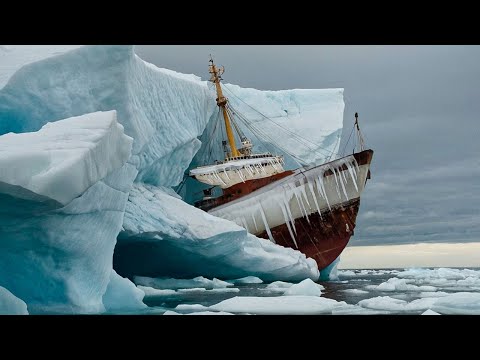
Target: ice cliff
(100, 138)
(63, 192)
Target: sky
(464, 255)
(419, 110)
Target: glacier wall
(59, 223)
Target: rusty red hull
(325, 237)
(239, 190)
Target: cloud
(419, 111)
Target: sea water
(374, 291)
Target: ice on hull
(234, 172)
(313, 210)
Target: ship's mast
(222, 102)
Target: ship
(312, 208)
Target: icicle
(324, 192)
(304, 208)
(343, 186)
(284, 212)
(254, 221)
(310, 186)
(244, 223)
(353, 169)
(352, 175)
(303, 191)
(336, 181)
(263, 170)
(289, 212)
(217, 177)
(223, 182)
(344, 176)
(226, 174)
(319, 187)
(239, 173)
(267, 228)
(292, 188)
(260, 169)
(300, 202)
(356, 164)
(274, 164)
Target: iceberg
(192, 307)
(164, 236)
(392, 304)
(122, 296)
(10, 304)
(63, 159)
(307, 287)
(279, 285)
(430, 312)
(461, 303)
(247, 280)
(355, 291)
(396, 284)
(92, 141)
(279, 305)
(57, 244)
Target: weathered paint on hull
(325, 237)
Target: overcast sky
(419, 108)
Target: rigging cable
(299, 138)
(260, 135)
(345, 147)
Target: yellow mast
(221, 102)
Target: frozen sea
(414, 291)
